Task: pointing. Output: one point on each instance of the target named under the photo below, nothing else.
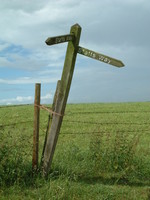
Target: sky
(116, 28)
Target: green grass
(102, 153)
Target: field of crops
(102, 153)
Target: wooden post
(36, 126)
(50, 119)
(60, 104)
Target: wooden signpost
(63, 87)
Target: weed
(114, 155)
(14, 167)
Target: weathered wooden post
(63, 87)
(36, 127)
(50, 119)
(62, 94)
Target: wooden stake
(50, 118)
(63, 92)
(36, 126)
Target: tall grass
(15, 165)
(114, 155)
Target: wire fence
(16, 126)
(81, 129)
(71, 119)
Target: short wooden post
(62, 96)
(36, 126)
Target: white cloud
(4, 62)
(21, 99)
(46, 99)
(18, 57)
(28, 80)
(24, 99)
(30, 23)
(3, 46)
(18, 99)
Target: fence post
(50, 118)
(60, 104)
(36, 126)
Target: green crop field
(102, 153)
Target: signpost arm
(61, 99)
(59, 39)
(100, 57)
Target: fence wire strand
(85, 122)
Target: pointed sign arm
(60, 39)
(100, 57)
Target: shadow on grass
(17, 176)
(56, 174)
(29, 179)
(111, 181)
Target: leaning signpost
(63, 87)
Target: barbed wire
(13, 106)
(12, 124)
(105, 123)
(120, 112)
(82, 112)
(83, 122)
(103, 132)
(43, 128)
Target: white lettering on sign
(59, 40)
(63, 39)
(104, 59)
(69, 38)
(94, 55)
